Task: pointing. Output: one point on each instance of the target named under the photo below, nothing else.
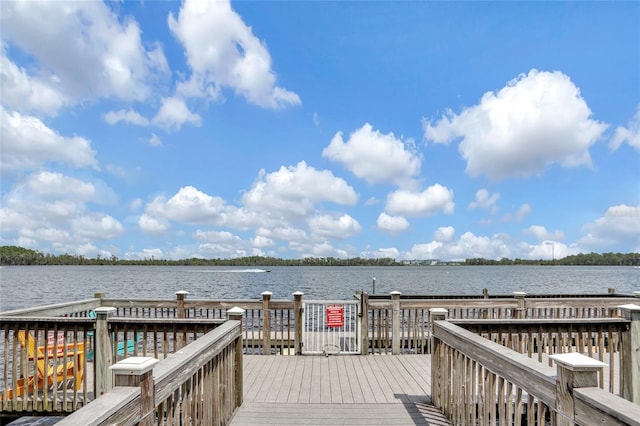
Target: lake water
(26, 286)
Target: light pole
(553, 249)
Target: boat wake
(225, 271)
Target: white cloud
(536, 120)
(154, 140)
(97, 227)
(629, 134)
(444, 234)
(222, 51)
(215, 236)
(128, 116)
(188, 205)
(152, 225)
(56, 185)
(392, 224)
(289, 234)
(25, 93)
(27, 143)
(424, 251)
(433, 199)
(375, 157)
(619, 227)
(541, 233)
(89, 52)
(173, 113)
(333, 226)
(293, 191)
(483, 200)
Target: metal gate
(330, 327)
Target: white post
(395, 323)
(138, 371)
(631, 354)
(574, 371)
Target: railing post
(364, 323)
(485, 295)
(99, 295)
(266, 323)
(437, 314)
(574, 371)
(138, 371)
(631, 354)
(297, 322)
(180, 313)
(236, 314)
(103, 352)
(395, 323)
(520, 310)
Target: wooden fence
(199, 385)
(58, 364)
(476, 380)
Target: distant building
(422, 262)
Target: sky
(406, 130)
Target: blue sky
(411, 130)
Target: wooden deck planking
(337, 390)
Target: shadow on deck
(338, 390)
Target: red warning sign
(335, 316)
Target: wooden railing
(478, 381)
(44, 363)
(413, 320)
(598, 338)
(58, 364)
(199, 385)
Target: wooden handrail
(122, 404)
(477, 380)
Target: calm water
(26, 286)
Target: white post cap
(134, 366)
(182, 292)
(235, 311)
(105, 310)
(577, 362)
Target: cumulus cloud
(28, 94)
(428, 202)
(152, 225)
(541, 233)
(188, 205)
(375, 157)
(155, 140)
(128, 116)
(392, 224)
(538, 119)
(97, 226)
(223, 52)
(27, 143)
(334, 226)
(444, 234)
(173, 113)
(89, 53)
(629, 134)
(619, 226)
(484, 200)
(56, 185)
(293, 191)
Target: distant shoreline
(17, 256)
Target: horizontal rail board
(519, 369)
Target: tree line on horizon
(13, 255)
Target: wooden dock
(338, 390)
